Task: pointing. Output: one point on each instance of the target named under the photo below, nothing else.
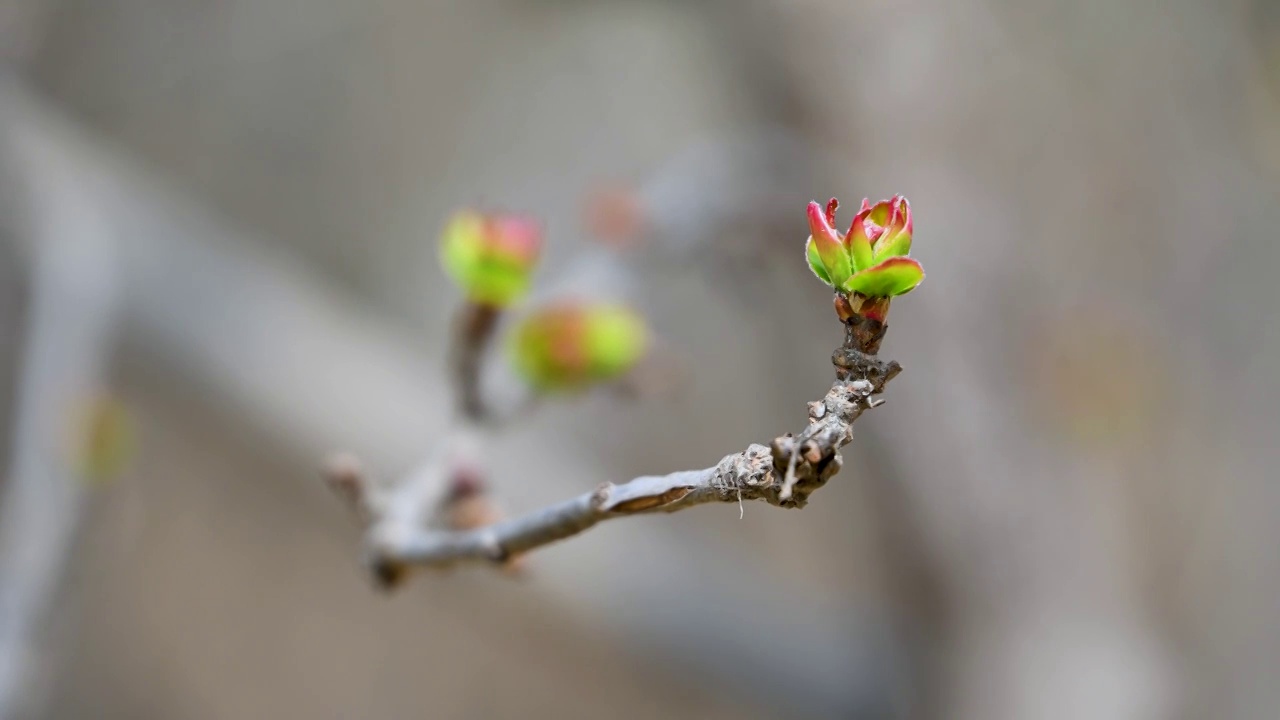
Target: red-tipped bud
(571, 345)
(871, 259)
(492, 258)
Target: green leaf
(815, 261)
(894, 276)
(831, 250)
(897, 246)
(860, 245)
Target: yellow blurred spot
(104, 439)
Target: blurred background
(218, 225)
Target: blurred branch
(783, 474)
(473, 332)
(67, 340)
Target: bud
(871, 258)
(469, 505)
(616, 216)
(491, 257)
(570, 345)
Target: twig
(784, 473)
(472, 334)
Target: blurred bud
(573, 344)
(469, 506)
(870, 259)
(615, 215)
(104, 439)
(491, 257)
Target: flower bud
(871, 258)
(573, 344)
(491, 257)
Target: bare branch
(784, 473)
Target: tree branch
(68, 338)
(784, 473)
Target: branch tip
(345, 476)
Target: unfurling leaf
(894, 276)
(832, 252)
(896, 239)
